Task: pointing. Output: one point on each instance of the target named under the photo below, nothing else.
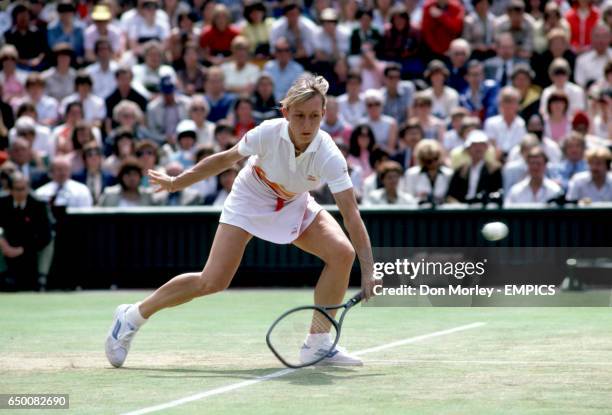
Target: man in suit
(26, 233)
(478, 177)
(499, 68)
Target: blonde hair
(598, 153)
(221, 10)
(427, 148)
(304, 88)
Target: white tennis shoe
(337, 357)
(119, 337)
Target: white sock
(134, 317)
(318, 338)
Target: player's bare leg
(326, 239)
(223, 261)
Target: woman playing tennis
(287, 157)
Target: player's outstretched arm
(347, 204)
(205, 168)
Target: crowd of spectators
(431, 101)
(458, 99)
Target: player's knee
(344, 255)
(209, 284)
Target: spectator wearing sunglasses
(148, 155)
(283, 69)
(383, 126)
(433, 127)
(429, 180)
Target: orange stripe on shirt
(278, 189)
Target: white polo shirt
(505, 136)
(417, 183)
(269, 198)
(521, 193)
(581, 186)
(274, 162)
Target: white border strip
(277, 374)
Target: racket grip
(356, 299)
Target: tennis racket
(287, 334)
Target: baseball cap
(166, 85)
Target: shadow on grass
(307, 376)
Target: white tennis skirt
(252, 206)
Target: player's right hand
(367, 287)
(163, 181)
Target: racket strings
(291, 334)
(320, 323)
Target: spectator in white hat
(186, 137)
(479, 177)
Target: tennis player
(287, 157)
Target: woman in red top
(216, 39)
(582, 18)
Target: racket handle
(356, 299)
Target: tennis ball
(495, 231)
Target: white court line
(277, 374)
(489, 362)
